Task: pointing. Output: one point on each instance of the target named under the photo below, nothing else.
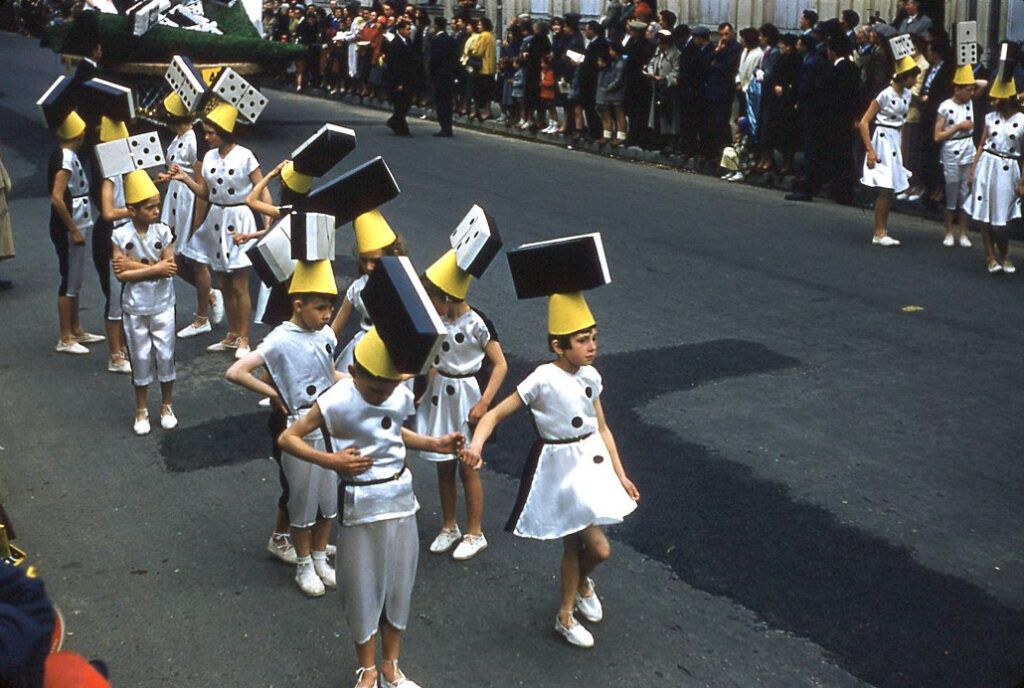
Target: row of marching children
(345, 419)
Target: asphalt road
(831, 480)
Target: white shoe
(445, 540)
(993, 268)
(309, 583)
(168, 421)
(948, 241)
(575, 634)
(141, 426)
(965, 242)
(884, 240)
(326, 573)
(331, 551)
(470, 546)
(89, 338)
(119, 366)
(590, 607)
(264, 402)
(217, 307)
(1009, 267)
(222, 346)
(915, 197)
(281, 548)
(401, 681)
(191, 330)
(242, 352)
(71, 347)
(901, 196)
(736, 176)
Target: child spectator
(548, 92)
(611, 90)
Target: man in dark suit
(597, 49)
(401, 74)
(719, 91)
(694, 46)
(442, 66)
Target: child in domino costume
(71, 255)
(113, 205)
(179, 204)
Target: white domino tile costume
(569, 481)
(301, 364)
(83, 215)
(179, 201)
(114, 311)
(147, 306)
(378, 533)
(227, 178)
(957, 152)
(994, 198)
(453, 389)
(354, 294)
(888, 172)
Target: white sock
(620, 135)
(301, 562)
(607, 133)
(319, 557)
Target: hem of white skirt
(604, 521)
(313, 522)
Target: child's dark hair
(395, 248)
(361, 371)
(564, 341)
(309, 296)
(224, 134)
(436, 291)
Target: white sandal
(359, 675)
(402, 681)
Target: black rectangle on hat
(559, 266)
(57, 102)
(271, 257)
(99, 97)
(476, 241)
(323, 150)
(403, 315)
(359, 191)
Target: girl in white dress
(574, 481)
(997, 185)
(229, 172)
(883, 164)
(185, 151)
(954, 126)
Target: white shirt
(376, 431)
(562, 404)
(228, 176)
(301, 363)
(464, 348)
(892, 107)
(151, 296)
(354, 294)
(959, 149)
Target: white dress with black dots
(180, 201)
(227, 178)
(453, 389)
(354, 294)
(569, 482)
(994, 198)
(957, 152)
(888, 172)
(301, 364)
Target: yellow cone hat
(964, 76)
(296, 181)
(138, 187)
(175, 105)
(568, 313)
(1003, 89)
(446, 275)
(372, 232)
(224, 116)
(905, 64)
(313, 277)
(72, 127)
(373, 355)
(112, 129)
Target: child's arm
(865, 133)
(197, 185)
(348, 461)
(941, 133)
(977, 155)
(164, 268)
(60, 186)
(240, 373)
(255, 199)
(609, 441)
(500, 368)
(452, 443)
(472, 456)
(256, 177)
(338, 324)
(109, 211)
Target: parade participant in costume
(954, 127)
(364, 416)
(144, 262)
(883, 164)
(997, 182)
(574, 482)
(229, 172)
(453, 402)
(374, 239)
(71, 218)
(113, 214)
(299, 358)
(184, 153)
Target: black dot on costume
(446, 346)
(231, 172)
(175, 194)
(385, 422)
(881, 134)
(968, 118)
(328, 347)
(231, 191)
(433, 400)
(181, 144)
(217, 227)
(577, 422)
(437, 359)
(997, 122)
(173, 211)
(231, 228)
(145, 261)
(598, 459)
(449, 390)
(218, 254)
(213, 170)
(158, 245)
(220, 180)
(1013, 136)
(130, 245)
(589, 392)
(894, 101)
(1006, 168)
(311, 390)
(459, 338)
(1015, 125)
(979, 198)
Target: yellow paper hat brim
(372, 232)
(296, 181)
(224, 116)
(1003, 89)
(372, 355)
(964, 76)
(175, 105)
(72, 127)
(112, 129)
(446, 275)
(138, 187)
(905, 64)
(314, 277)
(568, 313)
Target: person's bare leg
(1001, 238)
(320, 534)
(302, 539)
(140, 402)
(115, 339)
(595, 551)
(203, 283)
(882, 204)
(447, 490)
(166, 393)
(366, 653)
(986, 240)
(570, 577)
(65, 308)
(947, 222)
(230, 312)
(474, 489)
(965, 223)
(243, 306)
(281, 523)
(76, 323)
(391, 645)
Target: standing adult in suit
(597, 49)
(401, 74)
(720, 90)
(442, 66)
